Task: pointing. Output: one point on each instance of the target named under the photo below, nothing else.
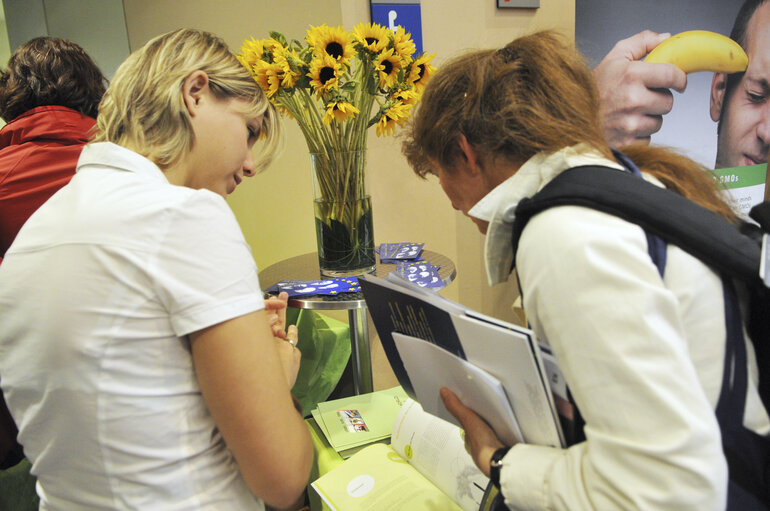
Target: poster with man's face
(724, 127)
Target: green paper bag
(325, 346)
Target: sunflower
(406, 97)
(268, 76)
(387, 65)
(397, 114)
(371, 36)
(403, 45)
(420, 72)
(271, 46)
(335, 42)
(251, 53)
(339, 110)
(291, 67)
(324, 74)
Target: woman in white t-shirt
(136, 350)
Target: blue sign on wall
(405, 13)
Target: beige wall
(274, 209)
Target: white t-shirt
(643, 356)
(97, 295)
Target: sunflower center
(388, 65)
(326, 74)
(334, 49)
(371, 40)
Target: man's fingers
(463, 414)
(664, 76)
(638, 45)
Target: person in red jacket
(49, 96)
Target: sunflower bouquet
(336, 85)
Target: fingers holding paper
(478, 435)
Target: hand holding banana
(701, 50)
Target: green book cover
(354, 421)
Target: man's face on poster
(744, 112)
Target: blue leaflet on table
(394, 252)
(421, 272)
(316, 287)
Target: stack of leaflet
(352, 423)
(395, 252)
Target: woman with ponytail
(642, 353)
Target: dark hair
(535, 95)
(738, 34)
(50, 71)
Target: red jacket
(38, 153)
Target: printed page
(430, 368)
(377, 479)
(436, 449)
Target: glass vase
(343, 213)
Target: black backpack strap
(747, 453)
(659, 211)
(715, 241)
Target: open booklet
(495, 368)
(426, 467)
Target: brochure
(352, 422)
(425, 468)
(503, 353)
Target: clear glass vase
(343, 213)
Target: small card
(316, 287)
(421, 272)
(393, 252)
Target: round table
(305, 267)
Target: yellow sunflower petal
(394, 116)
(388, 65)
(339, 111)
(290, 73)
(332, 41)
(421, 72)
(372, 36)
(268, 76)
(251, 52)
(324, 74)
(403, 44)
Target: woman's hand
(289, 354)
(480, 440)
(275, 306)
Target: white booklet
(507, 353)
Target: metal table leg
(360, 350)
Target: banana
(701, 50)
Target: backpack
(736, 252)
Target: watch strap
(495, 464)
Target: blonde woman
(136, 353)
(644, 354)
